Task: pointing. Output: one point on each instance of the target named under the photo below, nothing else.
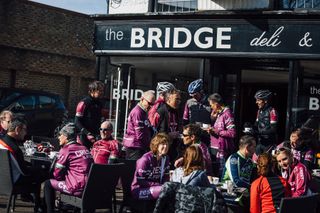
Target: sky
(81, 6)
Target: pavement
(27, 207)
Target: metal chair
(99, 189)
(126, 181)
(7, 185)
(307, 203)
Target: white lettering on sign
(180, 37)
(137, 39)
(221, 37)
(134, 94)
(113, 35)
(273, 41)
(313, 103)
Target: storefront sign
(267, 38)
(314, 97)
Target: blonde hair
(192, 159)
(4, 113)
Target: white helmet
(164, 87)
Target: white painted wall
(233, 4)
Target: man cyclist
(89, 114)
(197, 108)
(266, 122)
(162, 89)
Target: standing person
(162, 89)
(152, 169)
(191, 136)
(222, 133)
(139, 131)
(193, 171)
(266, 122)
(5, 119)
(239, 167)
(89, 114)
(106, 150)
(168, 121)
(196, 109)
(266, 191)
(294, 172)
(71, 168)
(22, 171)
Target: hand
(178, 162)
(214, 132)
(91, 138)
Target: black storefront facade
(235, 53)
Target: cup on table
(206, 126)
(215, 180)
(229, 186)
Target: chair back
(101, 186)
(307, 203)
(127, 178)
(6, 180)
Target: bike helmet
(263, 94)
(164, 87)
(195, 86)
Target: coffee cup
(215, 180)
(205, 126)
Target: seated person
(106, 150)
(191, 135)
(152, 169)
(192, 172)
(239, 167)
(22, 171)
(5, 119)
(266, 191)
(294, 172)
(71, 167)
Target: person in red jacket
(266, 191)
(105, 150)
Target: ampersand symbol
(306, 41)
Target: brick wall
(46, 48)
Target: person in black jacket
(89, 114)
(266, 122)
(22, 171)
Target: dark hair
(95, 85)
(16, 122)
(192, 159)
(246, 140)
(160, 138)
(215, 97)
(171, 92)
(265, 164)
(193, 129)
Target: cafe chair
(99, 190)
(307, 203)
(178, 197)
(7, 185)
(135, 205)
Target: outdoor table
(238, 201)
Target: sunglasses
(150, 103)
(184, 135)
(105, 129)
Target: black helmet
(263, 94)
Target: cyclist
(266, 122)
